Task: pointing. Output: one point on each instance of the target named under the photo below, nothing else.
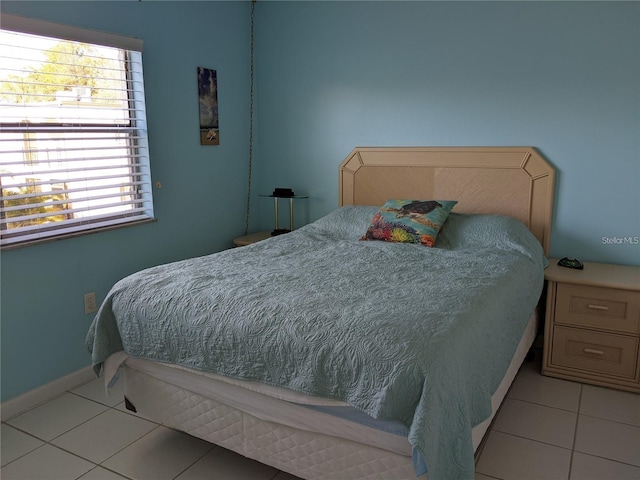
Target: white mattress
(276, 409)
(271, 408)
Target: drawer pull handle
(598, 307)
(591, 350)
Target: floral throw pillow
(409, 221)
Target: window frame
(133, 131)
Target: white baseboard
(42, 394)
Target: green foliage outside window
(9, 200)
(67, 65)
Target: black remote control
(571, 263)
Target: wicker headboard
(513, 181)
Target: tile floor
(547, 429)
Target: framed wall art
(208, 105)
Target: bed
(330, 357)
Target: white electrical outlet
(90, 305)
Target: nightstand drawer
(595, 352)
(602, 308)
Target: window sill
(54, 238)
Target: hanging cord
(246, 225)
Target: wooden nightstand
(592, 326)
(251, 238)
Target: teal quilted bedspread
(399, 331)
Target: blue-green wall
(560, 76)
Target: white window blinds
(73, 143)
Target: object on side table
(283, 192)
(571, 263)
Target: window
(73, 142)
